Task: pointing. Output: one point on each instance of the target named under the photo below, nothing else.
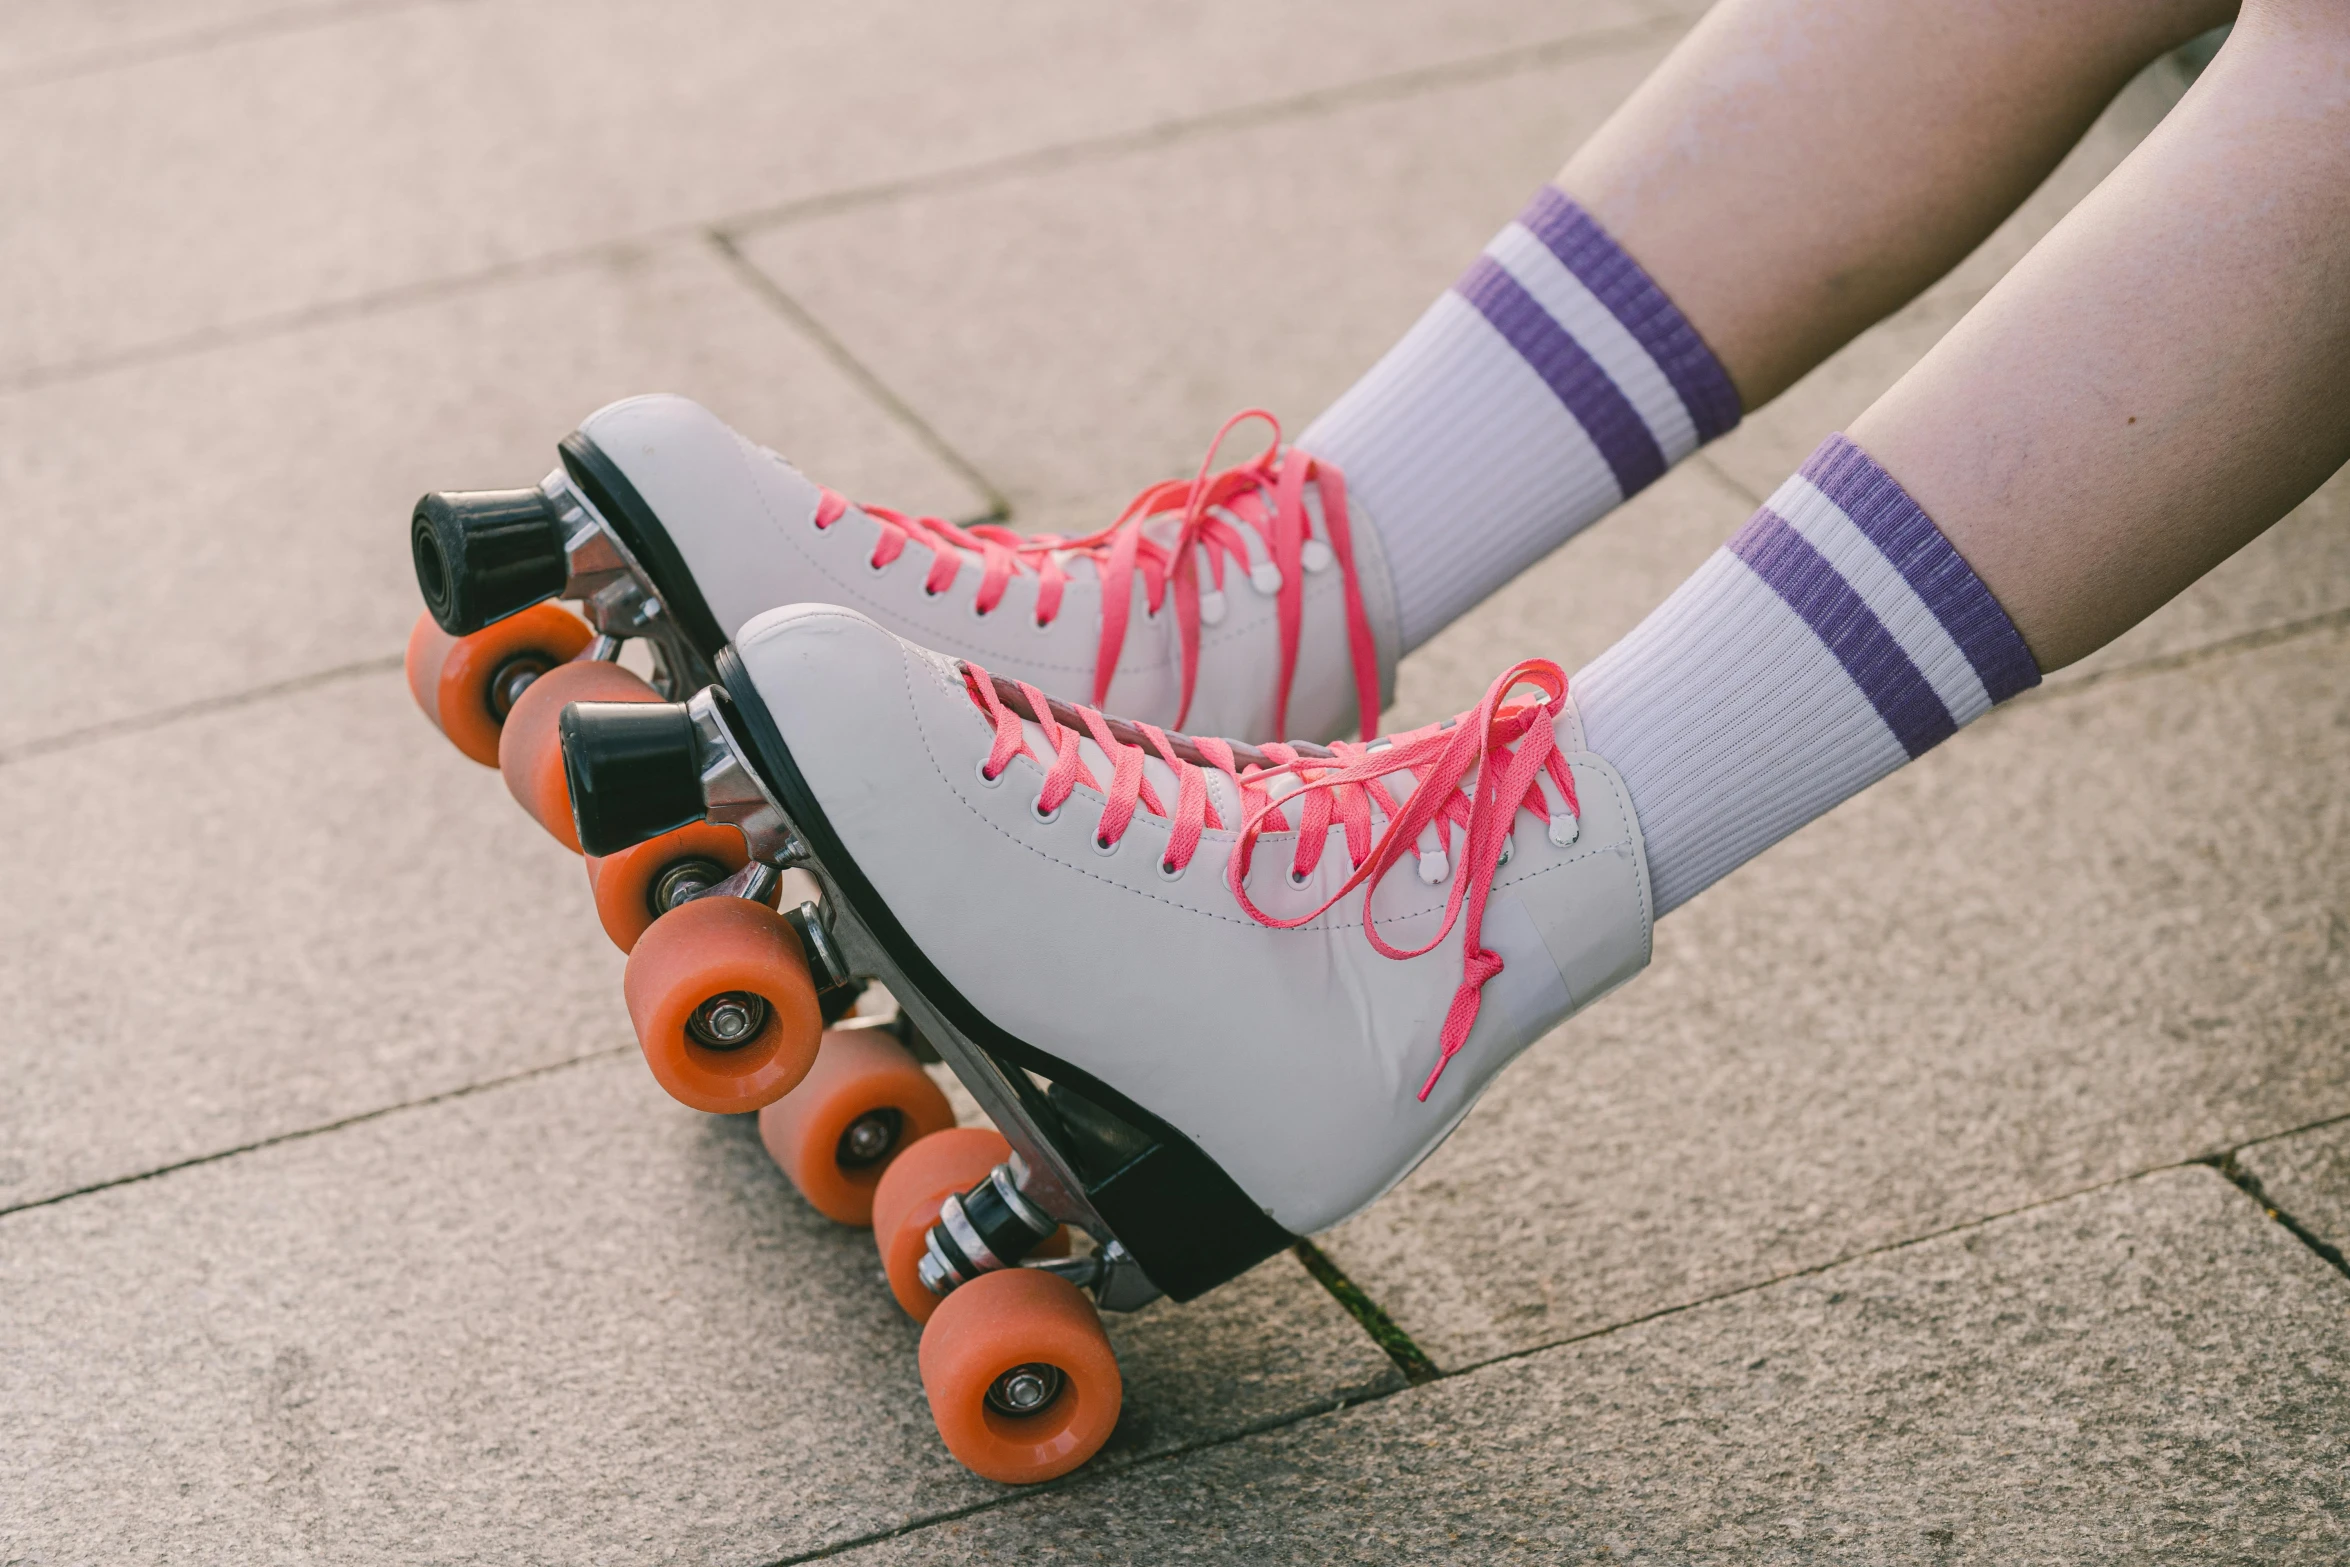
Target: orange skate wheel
(905, 1203)
(530, 752)
(637, 885)
(865, 1101)
(723, 1005)
(428, 649)
(468, 686)
(1022, 1380)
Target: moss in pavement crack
(1409, 1358)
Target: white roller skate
(1242, 601)
(1215, 996)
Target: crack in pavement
(1384, 1331)
(161, 717)
(299, 1134)
(801, 319)
(74, 64)
(2249, 1184)
(1108, 146)
(1105, 1476)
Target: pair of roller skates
(1136, 948)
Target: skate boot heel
(482, 555)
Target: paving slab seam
(1488, 67)
(2265, 1138)
(355, 307)
(2203, 1161)
(1321, 1407)
(1335, 1406)
(304, 1133)
(801, 319)
(1704, 463)
(1414, 1362)
(1499, 64)
(2249, 1184)
(136, 723)
(2059, 687)
(272, 24)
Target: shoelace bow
(1265, 495)
(1510, 746)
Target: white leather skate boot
(1216, 996)
(1240, 602)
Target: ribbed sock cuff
(1552, 381)
(1835, 637)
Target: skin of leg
(1797, 170)
(2168, 372)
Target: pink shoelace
(1265, 495)
(1510, 746)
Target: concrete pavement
(1967, 1182)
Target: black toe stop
(634, 769)
(482, 555)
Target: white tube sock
(1835, 637)
(1551, 382)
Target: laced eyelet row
(1469, 779)
(1036, 810)
(1181, 541)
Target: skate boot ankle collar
(1447, 794)
(1180, 538)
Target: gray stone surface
(198, 191)
(270, 917)
(195, 528)
(2147, 1373)
(44, 40)
(274, 266)
(2307, 1176)
(560, 1321)
(1148, 295)
(2094, 933)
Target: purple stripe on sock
(1818, 592)
(1897, 525)
(1585, 249)
(1606, 415)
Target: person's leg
(2169, 371)
(2163, 377)
(1794, 171)
(1797, 170)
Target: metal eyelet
(1172, 873)
(1038, 811)
(1106, 850)
(1296, 882)
(997, 782)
